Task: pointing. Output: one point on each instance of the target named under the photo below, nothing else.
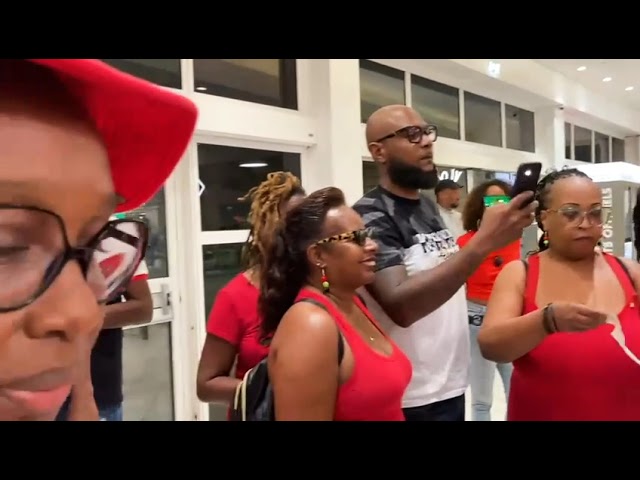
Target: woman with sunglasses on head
(479, 286)
(556, 316)
(78, 140)
(233, 329)
(328, 358)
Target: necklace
(338, 302)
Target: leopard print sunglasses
(357, 236)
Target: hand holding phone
(503, 223)
(527, 178)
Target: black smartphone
(527, 178)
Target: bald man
(418, 293)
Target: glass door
(147, 349)
(226, 174)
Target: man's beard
(411, 176)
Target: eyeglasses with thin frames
(575, 215)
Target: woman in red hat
(78, 141)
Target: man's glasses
(34, 250)
(414, 133)
(575, 215)
(357, 236)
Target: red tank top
(579, 376)
(377, 384)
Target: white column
(549, 133)
(632, 150)
(333, 100)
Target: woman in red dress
(233, 325)
(329, 359)
(557, 315)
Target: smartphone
(491, 200)
(527, 178)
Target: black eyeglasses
(34, 249)
(357, 236)
(414, 133)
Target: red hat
(146, 128)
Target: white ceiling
(623, 72)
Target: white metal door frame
(185, 267)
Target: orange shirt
(480, 283)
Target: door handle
(166, 299)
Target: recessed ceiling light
(201, 89)
(582, 68)
(606, 79)
(253, 165)
(628, 89)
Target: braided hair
(544, 189)
(264, 215)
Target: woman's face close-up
(56, 162)
(574, 216)
(350, 259)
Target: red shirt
(234, 318)
(377, 384)
(480, 283)
(579, 376)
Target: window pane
(227, 174)
(148, 373)
(221, 264)
(438, 104)
(482, 120)
(617, 150)
(370, 176)
(154, 213)
(601, 148)
(163, 71)
(567, 141)
(269, 81)
(379, 86)
(583, 143)
(520, 129)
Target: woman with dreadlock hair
(568, 318)
(233, 327)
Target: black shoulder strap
(526, 273)
(340, 339)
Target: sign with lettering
(607, 227)
(451, 174)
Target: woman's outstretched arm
(506, 334)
